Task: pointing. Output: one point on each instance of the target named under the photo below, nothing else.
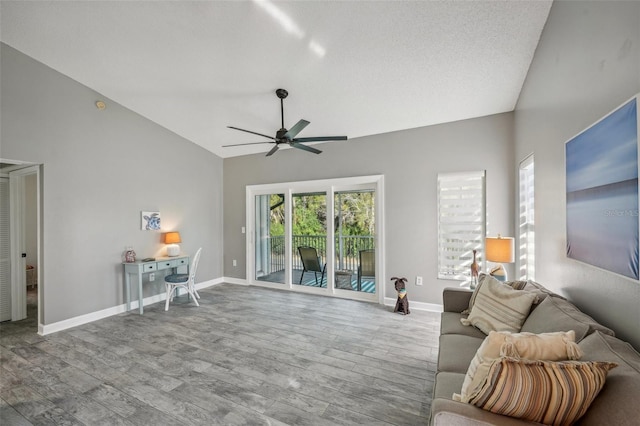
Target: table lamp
(499, 250)
(172, 239)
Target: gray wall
(587, 63)
(410, 161)
(100, 169)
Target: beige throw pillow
(552, 393)
(482, 278)
(498, 307)
(556, 346)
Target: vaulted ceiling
(352, 68)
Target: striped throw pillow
(498, 307)
(552, 393)
(557, 346)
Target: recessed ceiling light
(100, 105)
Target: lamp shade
(500, 249)
(172, 238)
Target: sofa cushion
(556, 314)
(540, 290)
(617, 402)
(456, 352)
(547, 346)
(447, 384)
(445, 412)
(553, 393)
(455, 299)
(450, 324)
(498, 307)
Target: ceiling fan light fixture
(284, 136)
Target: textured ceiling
(352, 68)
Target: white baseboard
(238, 281)
(84, 319)
(115, 310)
(418, 306)
(205, 284)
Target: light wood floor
(246, 356)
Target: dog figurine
(402, 305)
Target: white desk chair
(186, 281)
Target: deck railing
(347, 250)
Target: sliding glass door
(269, 238)
(322, 237)
(355, 240)
(309, 239)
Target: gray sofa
(618, 402)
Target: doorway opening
(20, 253)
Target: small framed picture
(150, 221)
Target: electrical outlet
(152, 277)
(235, 262)
(418, 280)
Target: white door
(5, 252)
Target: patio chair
(311, 262)
(367, 266)
(186, 281)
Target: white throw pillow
(498, 307)
(482, 278)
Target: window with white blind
(526, 245)
(461, 223)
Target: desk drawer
(181, 262)
(166, 264)
(149, 267)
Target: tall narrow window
(461, 222)
(526, 247)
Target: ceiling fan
(284, 136)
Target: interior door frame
(330, 187)
(17, 225)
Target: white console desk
(139, 268)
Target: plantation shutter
(461, 222)
(526, 246)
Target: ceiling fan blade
(249, 143)
(321, 138)
(254, 133)
(306, 148)
(273, 150)
(297, 128)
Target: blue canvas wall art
(602, 193)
